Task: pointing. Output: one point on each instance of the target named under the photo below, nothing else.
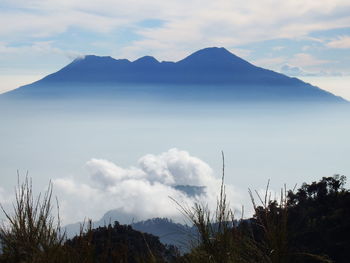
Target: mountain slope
(210, 73)
(169, 232)
(119, 243)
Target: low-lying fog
(129, 156)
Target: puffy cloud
(173, 167)
(176, 168)
(106, 174)
(139, 192)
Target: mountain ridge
(228, 75)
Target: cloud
(278, 48)
(300, 64)
(186, 25)
(299, 72)
(168, 30)
(39, 48)
(269, 62)
(292, 71)
(232, 23)
(139, 192)
(306, 60)
(342, 42)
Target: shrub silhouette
(264, 238)
(32, 233)
(304, 226)
(319, 218)
(220, 240)
(120, 243)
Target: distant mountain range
(182, 236)
(209, 74)
(169, 232)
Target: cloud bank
(139, 192)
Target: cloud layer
(139, 192)
(185, 25)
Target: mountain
(210, 74)
(169, 232)
(119, 243)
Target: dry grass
(219, 238)
(32, 233)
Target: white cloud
(231, 23)
(306, 60)
(186, 27)
(176, 167)
(342, 42)
(106, 174)
(24, 64)
(40, 48)
(190, 25)
(139, 192)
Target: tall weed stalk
(31, 233)
(220, 240)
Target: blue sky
(308, 39)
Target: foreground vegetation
(311, 224)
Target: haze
(287, 143)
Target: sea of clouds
(144, 191)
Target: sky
(303, 38)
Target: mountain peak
(92, 59)
(146, 60)
(214, 56)
(213, 50)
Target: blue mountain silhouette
(210, 73)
